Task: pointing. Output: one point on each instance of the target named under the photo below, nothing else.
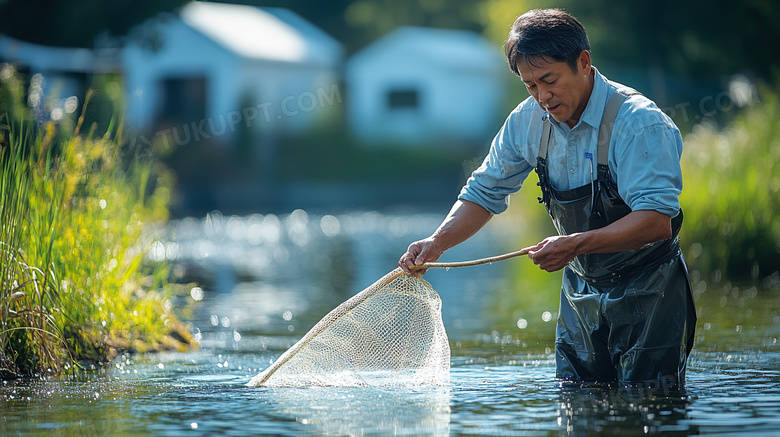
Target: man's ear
(583, 63)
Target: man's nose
(545, 95)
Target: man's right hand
(464, 220)
(419, 253)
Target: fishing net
(391, 333)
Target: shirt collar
(597, 102)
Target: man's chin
(558, 118)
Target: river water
(264, 280)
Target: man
(626, 311)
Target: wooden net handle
(475, 262)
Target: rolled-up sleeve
(648, 169)
(502, 172)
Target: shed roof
(446, 47)
(273, 34)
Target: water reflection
(622, 411)
(252, 270)
(362, 411)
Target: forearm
(634, 231)
(464, 220)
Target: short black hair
(545, 34)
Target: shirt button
(571, 171)
(571, 143)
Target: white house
(223, 66)
(426, 86)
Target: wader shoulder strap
(546, 131)
(608, 122)
(605, 129)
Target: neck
(575, 118)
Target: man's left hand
(553, 253)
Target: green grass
(75, 285)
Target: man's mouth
(553, 108)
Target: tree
(705, 40)
(76, 23)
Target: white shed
(223, 66)
(419, 86)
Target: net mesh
(391, 333)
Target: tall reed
(75, 285)
(29, 337)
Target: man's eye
(531, 86)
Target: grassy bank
(731, 196)
(75, 286)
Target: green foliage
(74, 285)
(328, 154)
(731, 199)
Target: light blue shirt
(644, 154)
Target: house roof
(449, 48)
(269, 34)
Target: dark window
(403, 98)
(183, 100)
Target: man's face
(559, 90)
